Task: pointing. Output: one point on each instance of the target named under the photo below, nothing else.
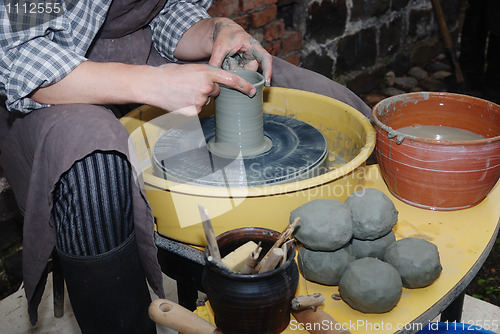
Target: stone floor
(14, 318)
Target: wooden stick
(286, 247)
(301, 303)
(283, 236)
(445, 34)
(220, 265)
(271, 261)
(209, 234)
(178, 318)
(251, 262)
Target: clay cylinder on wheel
(255, 303)
(239, 124)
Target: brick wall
(354, 42)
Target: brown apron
(36, 149)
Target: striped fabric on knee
(93, 205)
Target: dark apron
(37, 148)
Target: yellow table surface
(464, 239)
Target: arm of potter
(170, 87)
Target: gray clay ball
(373, 248)
(324, 267)
(417, 261)
(370, 285)
(325, 224)
(373, 213)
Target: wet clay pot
(438, 174)
(239, 123)
(256, 303)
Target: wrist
(141, 84)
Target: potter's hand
(232, 40)
(178, 86)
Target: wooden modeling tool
(286, 247)
(301, 303)
(178, 318)
(252, 260)
(220, 265)
(287, 232)
(272, 260)
(209, 233)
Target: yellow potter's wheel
(350, 140)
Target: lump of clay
(417, 261)
(373, 248)
(370, 285)
(325, 224)
(324, 267)
(373, 213)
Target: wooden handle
(320, 322)
(251, 261)
(445, 34)
(178, 318)
(438, 11)
(271, 261)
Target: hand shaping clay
(370, 285)
(325, 224)
(417, 261)
(373, 248)
(373, 213)
(324, 267)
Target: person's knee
(92, 207)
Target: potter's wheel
(298, 151)
(349, 135)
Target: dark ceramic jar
(256, 303)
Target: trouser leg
(97, 247)
(93, 205)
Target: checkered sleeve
(37, 63)
(38, 50)
(173, 21)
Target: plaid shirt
(43, 52)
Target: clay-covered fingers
(250, 56)
(232, 42)
(232, 80)
(263, 58)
